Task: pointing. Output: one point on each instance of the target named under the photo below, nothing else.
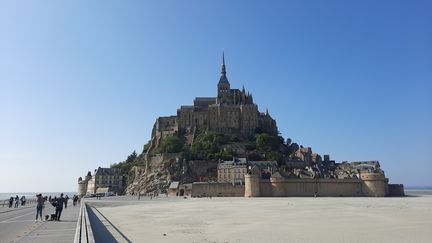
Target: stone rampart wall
(310, 187)
(204, 189)
(281, 187)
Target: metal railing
(84, 232)
(28, 201)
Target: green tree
(292, 148)
(267, 143)
(277, 156)
(126, 166)
(131, 158)
(206, 145)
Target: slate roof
(107, 171)
(174, 185)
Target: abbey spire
(223, 71)
(223, 78)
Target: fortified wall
(369, 185)
(206, 189)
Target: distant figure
(59, 206)
(49, 199)
(39, 206)
(10, 202)
(66, 201)
(74, 200)
(16, 201)
(23, 200)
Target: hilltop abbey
(231, 112)
(202, 136)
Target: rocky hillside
(177, 158)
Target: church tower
(223, 85)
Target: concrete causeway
(18, 225)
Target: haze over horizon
(81, 83)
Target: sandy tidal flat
(407, 219)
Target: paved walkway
(20, 226)
(5, 209)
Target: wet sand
(407, 219)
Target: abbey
(231, 112)
(228, 140)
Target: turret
(83, 184)
(374, 184)
(252, 183)
(88, 176)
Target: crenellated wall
(278, 186)
(371, 185)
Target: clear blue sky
(82, 82)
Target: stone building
(103, 180)
(232, 112)
(233, 171)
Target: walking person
(16, 201)
(10, 202)
(66, 201)
(59, 206)
(39, 206)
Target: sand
(407, 219)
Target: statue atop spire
(223, 71)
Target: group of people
(17, 201)
(57, 202)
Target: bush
(206, 145)
(226, 154)
(171, 144)
(146, 147)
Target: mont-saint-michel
(225, 146)
(215, 121)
